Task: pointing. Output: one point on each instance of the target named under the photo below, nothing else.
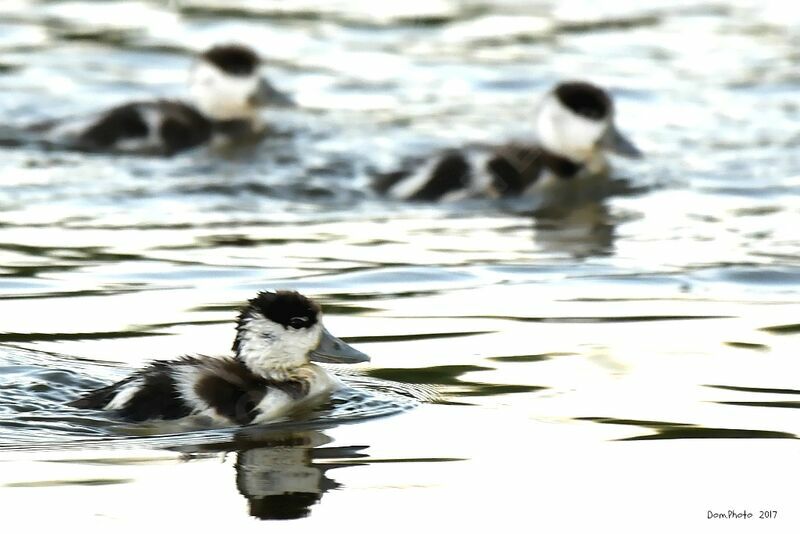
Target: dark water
(632, 361)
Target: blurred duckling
(575, 129)
(227, 94)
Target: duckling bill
(270, 375)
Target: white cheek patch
(268, 348)
(563, 132)
(297, 344)
(222, 96)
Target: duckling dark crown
(585, 99)
(281, 307)
(236, 60)
(287, 308)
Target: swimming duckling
(270, 376)
(575, 128)
(227, 94)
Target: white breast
(277, 403)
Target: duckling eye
(298, 322)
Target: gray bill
(331, 349)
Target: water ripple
(36, 386)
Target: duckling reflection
(280, 481)
(582, 231)
(283, 474)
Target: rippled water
(552, 372)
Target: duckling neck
(234, 127)
(237, 133)
(278, 373)
(299, 382)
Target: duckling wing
(152, 393)
(116, 126)
(100, 398)
(478, 170)
(222, 388)
(427, 181)
(513, 168)
(233, 399)
(159, 127)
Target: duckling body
(269, 377)
(160, 127)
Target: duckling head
(279, 332)
(576, 121)
(225, 84)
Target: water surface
(629, 362)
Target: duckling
(227, 93)
(575, 128)
(270, 376)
